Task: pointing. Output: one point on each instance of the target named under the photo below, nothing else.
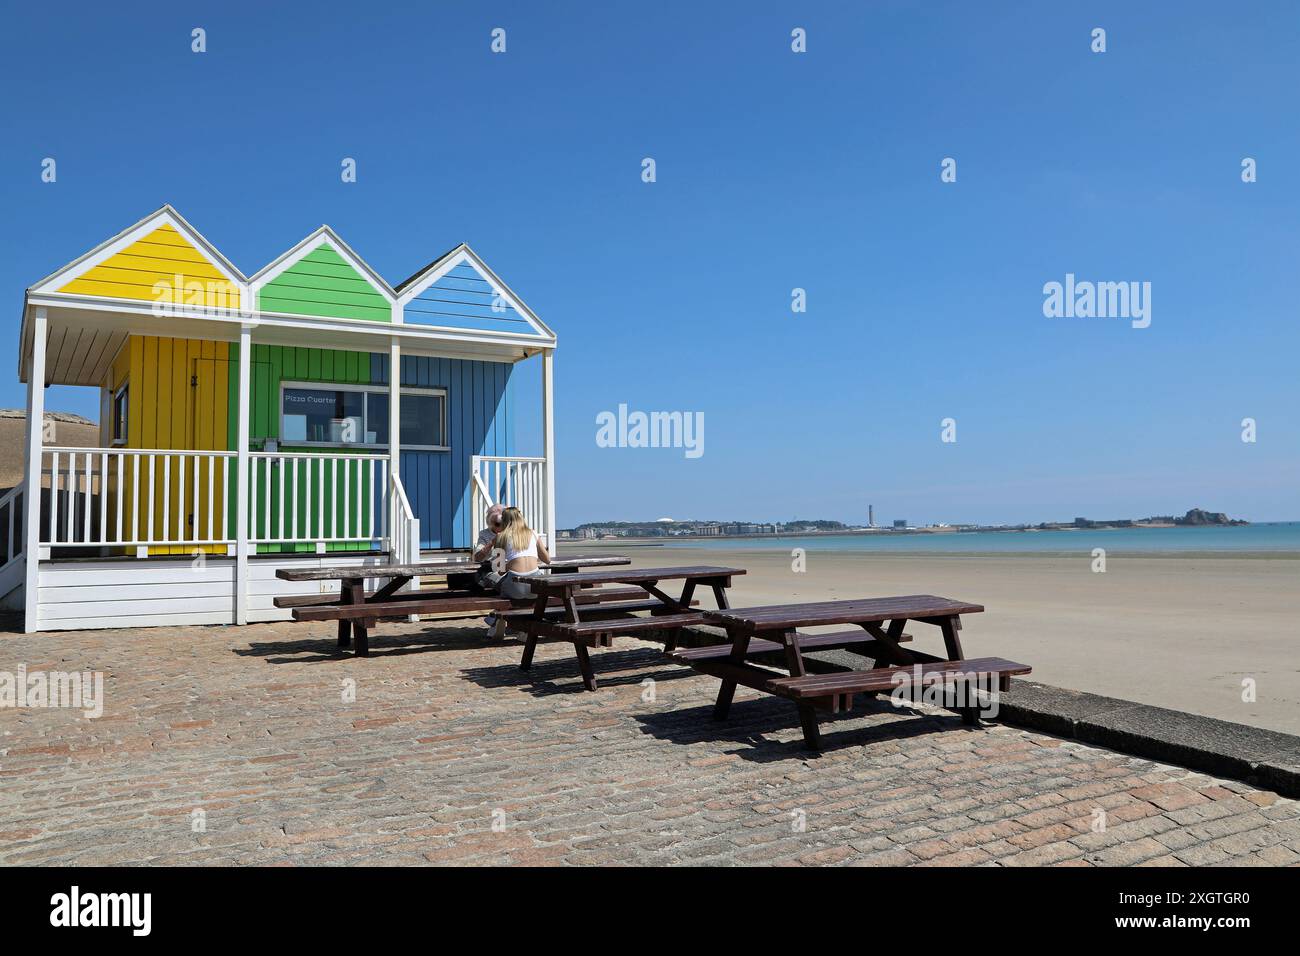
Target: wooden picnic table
(881, 637)
(356, 610)
(668, 614)
(434, 568)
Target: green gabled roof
(323, 283)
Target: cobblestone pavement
(239, 745)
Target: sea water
(1270, 537)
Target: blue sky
(775, 170)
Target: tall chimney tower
(871, 516)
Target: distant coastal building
(749, 529)
(900, 523)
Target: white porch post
(395, 463)
(548, 445)
(32, 489)
(394, 439)
(241, 475)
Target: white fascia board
(406, 331)
(224, 325)
(363, 327)
(65, 300)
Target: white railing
(11, 525)
(299, 497)
(405, 539)
(510, 481)
(133, 498)
(137, 498)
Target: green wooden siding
(271, 365)
(323, 283)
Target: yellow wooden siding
(162, 267)
(166, 411)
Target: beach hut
(309, 414)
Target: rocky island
(1195, 518)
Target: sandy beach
(1178, 631)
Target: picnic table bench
(881, 622)
(356, 609)
(668, 614)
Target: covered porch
(187, 521)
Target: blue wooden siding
(463, 299)
(480, 421)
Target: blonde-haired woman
(523, 553)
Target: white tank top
(528, 552)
